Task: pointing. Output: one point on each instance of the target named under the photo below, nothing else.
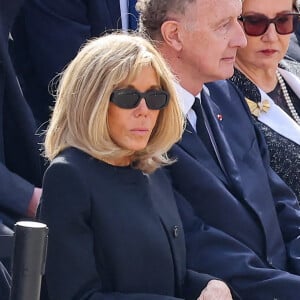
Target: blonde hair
(80, 114)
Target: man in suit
(47, 36)
(251, 236)
(20, 164)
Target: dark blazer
(113, 233)
(253, 242)
(5, 283)
(47, 36)
(19, 156)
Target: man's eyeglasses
(130, 98)
(257, 24)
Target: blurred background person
(272, 92)
(114, 228)
(47, 35)
(294, 46)
(20, 164)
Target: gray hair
(153, 13)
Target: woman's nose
(142, 108)
(271, 33)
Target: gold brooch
(257, 107)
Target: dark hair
(153, 13)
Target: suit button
(175, 231)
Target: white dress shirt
(186, 102)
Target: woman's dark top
(114, 232)
(284, 153)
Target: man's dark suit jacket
(47, 36)
(252, 240)
(19, 156)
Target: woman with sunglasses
(272, 93)
(114, 229)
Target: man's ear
(170, 32)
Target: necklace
(287, 98)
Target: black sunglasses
(130, 98)
(257, 24)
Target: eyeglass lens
(256, 25)
(130, 98)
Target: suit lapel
(215, 120)
(193, 145)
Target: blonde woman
(115, 232)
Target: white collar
(187, 99)
(276, 118)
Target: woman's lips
(268, 51)
(140, 131)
